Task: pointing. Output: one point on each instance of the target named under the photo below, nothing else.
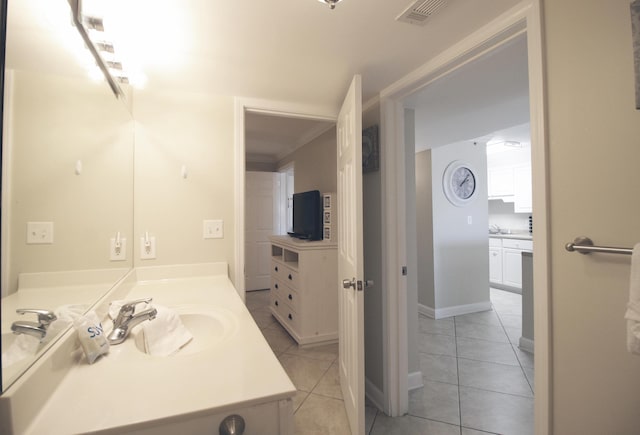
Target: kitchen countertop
(519, 236)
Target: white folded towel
(633, 307)
(165, 334)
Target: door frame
(525, 17)
(266, 107)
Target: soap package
(91, 336)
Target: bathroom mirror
(67, 179)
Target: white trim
(524, 17)
(456, 310)
(394, 304)
(373, 393)
(526, 344)
(426, 311)
(280, 108)
(414, 381)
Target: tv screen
(307, 215)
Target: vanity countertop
(126, 389)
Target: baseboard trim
(457, 310)
(414, 380)
(374, 394)
(526, 344)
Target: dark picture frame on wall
(635, 29)
(370, 149)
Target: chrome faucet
(35, 329)
(127, 320)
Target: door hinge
(404, 270)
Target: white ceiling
(287, 50)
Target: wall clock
(459, 183)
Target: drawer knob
(232, 425)
(290, 316)
(276, 286)
(290, 277)
(290, 297)
(276, 268)
(276, 302)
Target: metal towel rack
(584, 245)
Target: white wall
(373, 298)
(502, 214)
(424, 224)
(315, 164)
(194, 130)
(461, 261)
(57, 121)
(594, 157)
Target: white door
(261, 221)
(350, 256)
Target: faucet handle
(45, 317)
(130, 306)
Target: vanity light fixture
(331, 3)
(87, 25)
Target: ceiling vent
(419, 12)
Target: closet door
(261, 221)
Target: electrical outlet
(39, 233)
(148, 252)
(213, 229)
(118, 253)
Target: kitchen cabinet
(500, 182)
(495, 261)
(523, 199)
(505, 261)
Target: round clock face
(463, 182)
(459, 183)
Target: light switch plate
(213, 229)
(39, 233)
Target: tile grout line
(514, 351)
(455, 335)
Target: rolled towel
(165, 334)
(24, 346)
(633, 307)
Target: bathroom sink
(208, 329)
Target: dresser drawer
(284, 274)
(284, 310)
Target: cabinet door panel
(495, 265)
(512, 267)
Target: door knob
(348, 283)
(352, 283)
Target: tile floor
(476, 380)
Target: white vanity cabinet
(304, 288)
(505, 261)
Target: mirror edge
(3, 35)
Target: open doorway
(470, 325)
(496, 34)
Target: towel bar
(584, 245)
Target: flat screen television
(307, 215)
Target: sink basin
(208, 329)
